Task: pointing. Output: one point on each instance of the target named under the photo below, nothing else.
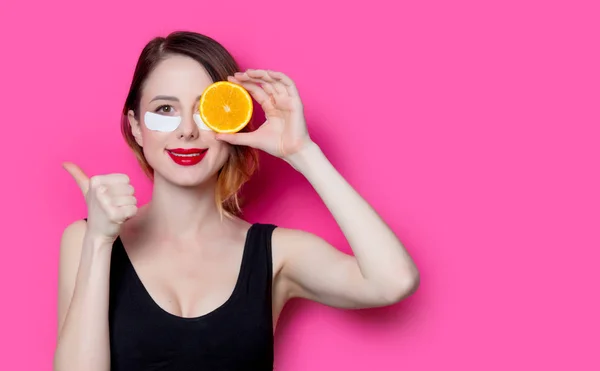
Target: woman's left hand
(284, 132)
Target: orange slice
(225, 107)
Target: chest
(143, 338)
(188, 284)
(229, 318)
(143, 341)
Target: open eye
(165, 109)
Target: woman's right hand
(110, 202)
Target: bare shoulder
(75, 229)
(70, 249)
(72, 237)
(285, 238)
(279, 245)
(283, 241)
(289, 242)
(294, 250)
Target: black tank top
(238, 335)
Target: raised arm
(84, 272)
(381, 271)
(83, 337)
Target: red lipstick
(187, 156)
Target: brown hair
(219, 64)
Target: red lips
(187, 156)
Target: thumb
(240, 139)
(82, 180)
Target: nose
(187, 129)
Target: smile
(187, 156)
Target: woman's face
(175, 142)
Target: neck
(182, 212)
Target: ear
(134, 124)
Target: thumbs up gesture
(110, 201)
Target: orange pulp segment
(225, 107)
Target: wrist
(97, 243)
(305, 156)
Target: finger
(259, 74)
(263, 92)
(286, 81)
(124, 201)
(120, 214)
(113, 179)
(267, 76)
(265, 85)
(82, 180)
(279, 88)
(243, 77)
(277, 97)
(121, 190)
(127, 212)
(257, 92)
(262, 77)
(103, 196)
(238, 139)
(108, 181)
(269, 88)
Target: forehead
(178, 76)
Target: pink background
(471, 126)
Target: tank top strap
(259, 246)
(257, 266)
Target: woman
(183, 283)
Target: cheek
(153, 138)
(218, 151)
(219, 148)
(154, 142)
(221, 152)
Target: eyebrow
(169, 98)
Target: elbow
(401, 287)
(413, 283)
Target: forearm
(83, 342)
(381, 257)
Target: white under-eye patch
(157, 122)
(200, 123)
